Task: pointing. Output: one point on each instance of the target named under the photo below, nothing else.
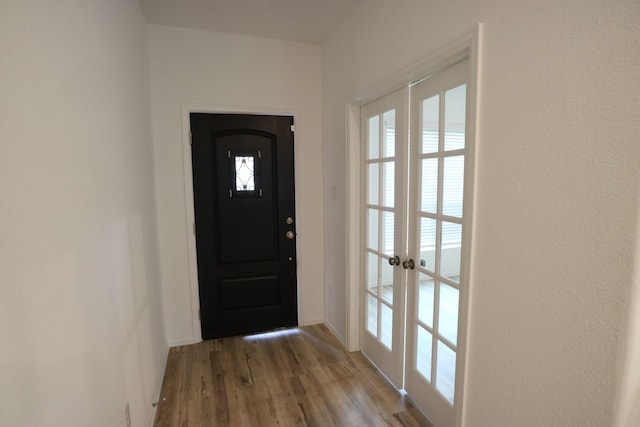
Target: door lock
(409, 264)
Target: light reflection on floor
(279, 333)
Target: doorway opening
(410, 169)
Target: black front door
(243, 184)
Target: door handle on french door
(409, 263)
(395, 260)
(290, 235)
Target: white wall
(558, 164)
(80, 313)
(234, 73)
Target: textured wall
(558, 164)
(81, 326)
(233, 73)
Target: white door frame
(194, 290)
(467, 46)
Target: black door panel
(243, 194)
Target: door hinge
(293, 128)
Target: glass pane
(450, 255)
(386, 280)
(388, 184)
(455, 107)
(446, 371)
(245, 178)
(428, 243)
(372, 315)
(429, 193)
(448, 313)
(430, 121)
(386, 326)
(388, 233)
(374, 138)
(425, 300)
(453, 186)
(372, 229)
(372, 272)
(423, 352)
(389, 123)
(373, 184)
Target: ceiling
(307, 21)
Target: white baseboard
(184, 342)
(310, 322)
(337, 335)
(156, 395)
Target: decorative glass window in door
(245, 173)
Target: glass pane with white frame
(448, 313)
(372, 229)
(373, 142)
(430, 124)
(373, 183)
(424, 347)
(450, 250)
(429, 185)
(373, 277)
(425, 299)
(455, 118)
(446, 371)
(453, 186)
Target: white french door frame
(466, 47)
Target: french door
(384, 208)
(417, 200)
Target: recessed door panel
(249, 293)
(247, 204)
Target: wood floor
(296, 377)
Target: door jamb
(186, 110)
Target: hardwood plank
(302, 377)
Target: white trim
(467, 46)
(442, 58)
(196, 331)
(353, 227)
(310, 322)
(186, 109)
(336, 334)
(156, 396)
(473, 122)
